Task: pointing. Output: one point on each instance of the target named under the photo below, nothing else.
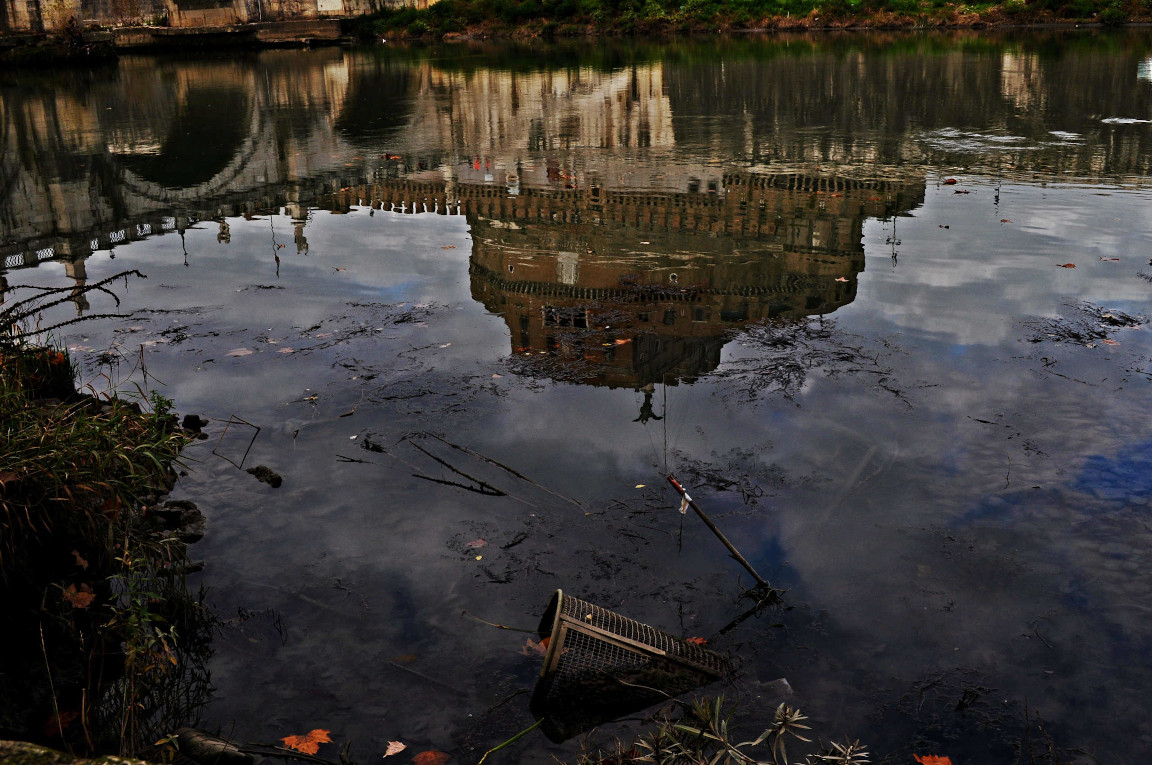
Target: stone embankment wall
(50, 15)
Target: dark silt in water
(479, 301)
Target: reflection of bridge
(170, 138)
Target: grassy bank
(547, 18)
(104, 646)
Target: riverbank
(461, 20)
(457, 19)
(103, 640)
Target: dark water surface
(744, 262)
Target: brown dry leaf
(239, 352)
(310, 742)
(394, 747)
(1065, 265)
(950, 181)
(476, 544)
(57, 723)
(961, 191)
(696, 641)
(623, 341)
(80, 560)
(431, 757)
(1109, 341)
(1005, 220)
(532, 648)
(448, 247)
(79, 597)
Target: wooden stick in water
(719, 534)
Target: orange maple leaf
(431, 757)
(931, 759)
(310, 742)
(696, 641)
(79, 597)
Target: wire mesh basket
(600, 666)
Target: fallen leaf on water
(445, 345)
(80, 560)
(623, 342)
(1065, 265)
(532, 648)
(431, 757)
(841, 279)
(338, 268)
(394, 747)
(961, 191)
(310, 742)
(79, 597)
(476, 544)
(322, 334)
(57, 723)
(931, 759)
(497, 376)
(285, 350)
(448, 247)
(696, 641)
(1005, 220)
(239, 352)
(1113, 260)
(942, 226)
(950, 181)
(349, 413)
(1109, 341)
(639, 486)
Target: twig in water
(519, 735)
(492, 490)
(52, 689)
(502, 466)
(493, 624)
(427, 678)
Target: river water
(878, 302)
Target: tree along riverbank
(456, 19)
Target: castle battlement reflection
(633, 287)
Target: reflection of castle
(629, 288)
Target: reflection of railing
(789, 284)
(29, 255)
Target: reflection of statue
(300, 239)
(75, 270)
(646, 412)
(225, 235)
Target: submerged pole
(719, 534)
